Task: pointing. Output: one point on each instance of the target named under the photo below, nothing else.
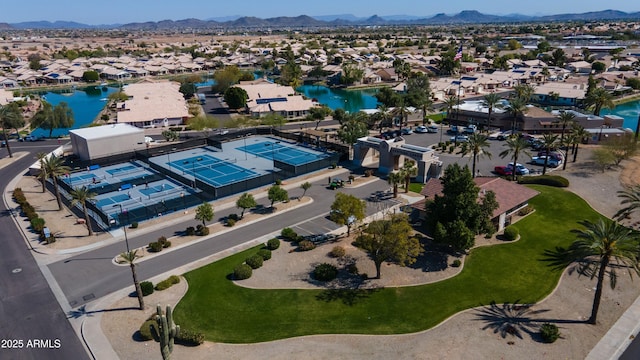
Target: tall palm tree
(476, 146)
(395, 179)
(517, 108)
(515, 146)
(43, 173)
(579, 134)
(600, 245)
(631, 198)
(524, 92)
(402, 111)
(408, 170)
(130, 257)
(566, 118)
(54, 167)
(450, 102)
(599, 98)
(491, 101)
(81, 195)
(549, 142)
(383, 110)
(10, 117)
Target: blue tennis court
(155, 188)
(115, 199)
(212, 170)
(286, 154)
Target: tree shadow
(348, 297)
(82, 311)
(431, 261)
(558, 258)
(515, 319)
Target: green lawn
(504, 273)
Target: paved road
(28, 308)
(91, 275)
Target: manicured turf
(504, 273)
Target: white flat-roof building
(153, 104)
(102, 141)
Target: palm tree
(566, 118)
(383, 110)
(43, 174)
(549, 141)
(599, 98)
(515, 145)
(450, 102)
(54, 167)
(631, 198)
(578, 134)
(395, 179)
(10, 117)
(408, 170)
(476, 146)
(80, 196)
(402, 111)
(597, 247)
(130, 258)
(524, 92)
(516, 108)
(491, 101)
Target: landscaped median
(513, 272)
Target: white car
(432, 129)
(520, 169)
(421, 129)
(460, 138)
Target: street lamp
(124, 227)
(273, 155)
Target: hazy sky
(126, 11)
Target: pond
(349, 100)
(629, 111)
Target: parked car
(519, 169)
(31, 138)
(460, 138)
(470, 129)
(502, 171)
(452, 129)
(406, 131)
(421, 129)
(553, 154)
(432, 129)
(551, 162)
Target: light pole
(124, 227)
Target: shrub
(511, 233)
(231, 222)
(37, 224)
(352, 269)
(202, 230)
(242, 271)
(190, 231)
(162, 240)
(233, 217)
(325, 272)
(146, 333)
(167, 283)
(189, 338)
(134, 224)
(456, 263)
(278, 182)
(549, 180)
(289, 234)
(368, 173)
(306, 245)
(525, 210)
(155, 246)
(166, 244)
(255, 261)
(147, 288)
(338, 251)
(549, 332)
(265, 254)
(351, 178)
(273, 244)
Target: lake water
(86, 104)
(629, 111)
(350, 100)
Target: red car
(502, 171)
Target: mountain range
(304, 21)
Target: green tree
(419, 94)
(90, 76)
(631, 201)
(305, 186)
(119, 96)
(34, 62)
(246, 201)
(203, 123)
(602, 248)
(408, 170)
(353, 129)
(390, 240)
(53, 117)
(450, 102)
(351, 74)
(276, 193)
(566, 119)
(388, 97)
(80, 195)
(291, 74)
(579, 134)
(347, 210)
(598, 67)
(318, 114)
(187, 89)
(236, 97)
(517, 108)
(515, 147)
(599, 98)
(491, 101)
(524, 92)
(603, 158)
(130, 257)
(395, 179)
(477, 146)
(558, 57)
(273, 120)
(549, 141)
(170, 135)
(54, 167)
(10, 117)
(225, 77)
(204, 213)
